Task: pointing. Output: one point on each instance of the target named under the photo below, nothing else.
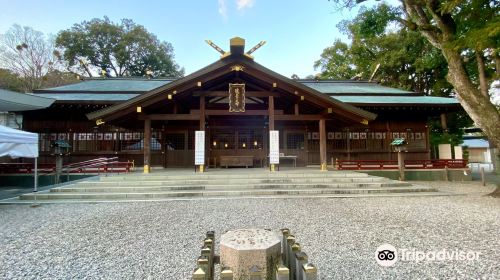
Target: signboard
(199, 147)
(274, 147)
(236, 97)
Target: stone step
(218, 193)
(218, 181)
(130, 188)
(256, 175)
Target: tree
(29, 54)
(405, 59)
(10, 81)
(124, 49)
(461, 29)
(336, 62)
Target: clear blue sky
(296, 31)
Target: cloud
(223, 8)
(244, 4)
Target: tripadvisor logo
(387, 255)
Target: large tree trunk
(478, 106)
(481, 69)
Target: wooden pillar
(388, 140)
(296, 107)
(202, 126)
(444, 125)
(348, 143)
(147, 145)
(322, 144)
(202, 112)
(271, 112)
(271, 123)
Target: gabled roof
(397, 100)
(114, 85)
(95, 97)
(356, 93)
(216, 69)
(333, 87)
(11, 101)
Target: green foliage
(406, 59)
(14, 82)
(454, 135)
(467, 35)
(57, 78)
(335, 62)
(10, 80)
(124, 49)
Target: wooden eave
(222, 67)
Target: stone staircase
(170, 185)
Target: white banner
(199, 147)
(274, 147)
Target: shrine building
(236, 102)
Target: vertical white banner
(199, 147)
(274, 147)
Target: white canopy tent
(17, 143)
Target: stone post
(309, 272)
(300, 260)
(208, 243)
(226, 274)
(199, 274)
(282, 272)
(204, 265)
(401, 165)
(290, 240)
(248, 251)
(293, 262)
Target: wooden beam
(299, 117)
(271, 112)
(171, 117)
(246, 113)
(226, 93)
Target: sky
(296, 31)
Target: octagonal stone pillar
(244, 249)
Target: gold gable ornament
(236, 97)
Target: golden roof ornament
(237, 47)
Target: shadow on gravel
(494, 178)
(496, 192)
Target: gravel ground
(161, 240)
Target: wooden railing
(393, 164)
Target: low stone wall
(424, 174)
